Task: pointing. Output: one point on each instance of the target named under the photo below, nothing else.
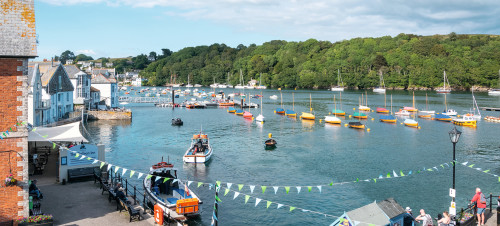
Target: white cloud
(329, 19)
(87, 52)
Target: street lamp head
(454, 135)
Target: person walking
(480, 200)
(425, 218)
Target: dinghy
(410, 123)
(239, 112)
(308, 115)
(359, 115)
(292, 113)
(231, 110)
(442, 117)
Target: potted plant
(10, 180)
(39, 220)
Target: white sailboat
(260, 86)
(475, 108)
(189, 85)
(495, 92)
(427, 111)
(260, 117)
(445, 81)
(449, 112)
(381, 88)
(340, 83)
(240, 86)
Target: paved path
(491, 218)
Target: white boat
(200, 150)
(381, 88)
(450, 112)
(340, 83)
(240, 86)
(273, 97)
(215, 85)
(189, 86)
(445, 81)
(427, 111)
(172, 195)
(222, 86)
(494, 92)
(410, 123)
(475, 108)
(364, 100)
(332, 120)
(260, 117)
(124, 88)
(249, 87)
(197, 85)
(402, 113)
(260, 86)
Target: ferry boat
(356, 125)
(200, 150)
(332, 120)
(173, 196)
(466, 120)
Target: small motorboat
(359, 115)
(388, 118)
(332, 120)
(382, 110)
(177, 122)
(466, 120)
(450, 112)
(200, 150)
(442, 117)
(410, 123)
(231, 110)
(239, 112)
(494, 92)
(356, 125)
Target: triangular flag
(246, 198)
(240, 186)
(251, 188)
(309, 188)
(447, 165)
(123, 171)
(287, 189)
(215, 217)
(374, 180)
(95, 161)
(102, 164)
(89, 158)
(175, 180)
(303, 210)
(292, 208)
(486, 171)
(380, 177)
(166, 179)
(275, 189)
(83, 156)
(116, 168)
(418, 171)
(401, 173)
(218, 199)
(394, 173)
(156, 178)
(279, 206)
(331, 183)
(453, 163)
(319, 188)
(53, 145)
(388, 175)
(229, 185)
(189, 182)
(268, 204)
(76, 156)
(236, 194)
(149, 176)
(409, 173)
(357, 180)
(226, 191)
(435, 168)
(45, 136)
(218, 183)
(442, 166)
(200, 183)
(263, 189)
(498, 179)
(140, 175)
(298, 189)
(7, 131)
(257, 200)
(132, 173)
(109, 166)
(465, 163)
(429, 169)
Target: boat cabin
(199, 144)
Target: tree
(152, 56)
(379, 62)
(166, 53)
(83, 57)
(66, 55)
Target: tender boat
(271, 143)
(239, 112)
(359, 115)
(388, 118)
(332, 120)
(177, 122)
(379, 90)
(356, 125)
(410, 123)
(465, 121)
(162, 188)
(337, 89)
(442, 117)
(273, 97)
(382, 110)
(231, 110)
(247, 114)
(402, 112)
(200, 150)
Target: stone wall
(109, 115)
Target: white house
(137, 82)
(69, 61)
(98, 64)
(35, 104)
(58, 90)
(95, 98)
(81, 81)
(109, 64)
(108, 87)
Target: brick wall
(13, 109)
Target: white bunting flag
(109, 166)
(280, 205)
(83, 156)
(157, 178)
(478, 168)
(447, 164)
(229, 185)
(95, 161)
(140, 175)
(123, 171)
(435, 168)
(175, 180)
(319, 188)
(298, 189)
(465, 163)
(116, 168)
(257, 200)
(251, 188)
(236, 194)
(275, 189)
(189, 183)
(303, 210)
(394, 173)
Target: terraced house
(57, 90)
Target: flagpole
(215, 217)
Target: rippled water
(312, 154)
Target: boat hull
(307, 116)
(389, 120)
(465, 123)
(332, 120)
(379, 90)
(337, 89)
(357, 126)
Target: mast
(338, 77)
(385, 100)
(261, 103)
(361, 102)
(341, 101)
(366, 98)
(293, 102)
(414, 99)
(391, 104)
(281, 94)
(310, 103)
(335, 103)
(445, 104)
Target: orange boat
(226, 104)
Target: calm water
(312, 154)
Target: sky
(121, 28)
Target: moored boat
(200, 150)
(177, 122)
(332, 120)
(356, 125)
(359, 115)
(307, 116)
(402, 112)
(239, 112)
(465, 121)
(247, 114)
(445, 81)
(442, 117)
(410, 123)
(450, 112)
(231, 110)
(340, 84)
(291, 113)
(388, 118)
(382, 110)
(273, 97)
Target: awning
(65, 133)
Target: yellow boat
(307, 116)
(465, 121)
(356, 125)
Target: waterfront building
(109, 89)
(104, 71)
(18, 43)
(35, 104)
(137, 81)
(69, 61)
(95, 97)
(58, 91)
(81, 81)
(109, 64)
(98, 64)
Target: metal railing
(472, 209)
(144, 99)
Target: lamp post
(454, 137)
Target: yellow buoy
(354, 109)
(368, 129)
(345, 125)
(320, 120)
(252, 118)
(350, 116)
(419, 127)
(401, 123)
(329, 113)
(262, 122)
(372, 111)
(270, 135)
(373, 119)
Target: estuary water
(311, 154)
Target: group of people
(444, 219)
(120, 192)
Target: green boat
(359, 115)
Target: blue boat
(231, 110)
(279, 111)
(442, 117)
(290, 113)
(239, 112)
(388, 118)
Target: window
(86, 82)
(60, 82)
(58, 97)
(79, 92)
(67, 96)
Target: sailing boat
(410, 123)
(240, 86)
(364, 107)
(292, 113)
(358, 114)
(411, 109)
(189, 85)
(260, 86)
(214, 85)
(339, 112)
(383, 110)
(340, 83)
(388, 118)
(426, 113)
(260, 118)
(381, 88)
(310, 115)
(280, 110)
(333, 119)
(472, 112)
(449, 112)
(445, 81)
(495, 92)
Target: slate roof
(72, 70)
(369, 214)
(391, 207)
(18, 33)
(48, 75)
(102, 79)
(92, 89)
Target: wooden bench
(80, 172)
(134, 212)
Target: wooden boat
(340, 84)
(280, 110)
(291, 113)
(359, 115)
(239, 112)
(410, 123)
(356, 125)
(247, 114)
(442, 117)
(177, 122)
(465, 121)
(200, 150)
(308, 115)
(173, 196)
(445, 81)
(231, 110)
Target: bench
(80, 172)
(133, 212)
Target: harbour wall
(109, 115)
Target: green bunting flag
(246, 198)
(309, 188)
(45, 136)
(471, 165)
(401, 173)
(131, 173)
(116, 168)
(77, 155)
(53, 145)
(263, 189)
(225, 192)
(498, 179)
(291, 208)
(287, 189)
(218, 183)
(149, 176)
(486, 171)
(429, 169)
(442, 166)
(240, 186)
(218, 199)
(452, 162)
(88, 158)
(418, 171)
(331, 183)
(11, 129)
(374, 180)
(268, 204)
(388, 175)
(357, 180)
(200, 183)
(166, 179)
(4, 134)
(102, 164)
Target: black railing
(471, 211)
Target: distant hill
(405, 60)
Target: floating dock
(490, 109)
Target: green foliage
(66, 55)
(83, 57)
